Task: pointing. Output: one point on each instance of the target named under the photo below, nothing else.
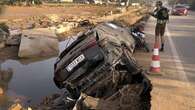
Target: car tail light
(185, 11)
(92, 43)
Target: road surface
(174, 87)
(181, 30)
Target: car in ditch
(100, 63)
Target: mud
(128, 98)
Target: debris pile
(3, 35)
(18, 106)
(65, 27)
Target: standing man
(162, 15)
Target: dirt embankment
(131, 18)
(46, 16)
(20, 12)
(22, 18)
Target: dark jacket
(161, 14)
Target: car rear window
(179, 7)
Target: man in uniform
(162, 15)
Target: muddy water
(31, 79)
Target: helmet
(159, 3)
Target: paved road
(179, 52)
(181, 41)
(174, 88)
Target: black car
(99, 61)
(90, 51)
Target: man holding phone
(161, 13)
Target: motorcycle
(139, 36)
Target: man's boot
(162, 48)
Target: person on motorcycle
(161, 13)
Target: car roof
(179, 6)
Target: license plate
(75, 62)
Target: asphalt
(182, 33)
(179, 54)
(174, 86)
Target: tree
(28, 2)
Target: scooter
(139, 36)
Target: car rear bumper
(93, 56)
(179, 13)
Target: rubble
(53, 17)
(126, 99)
(2, 44)
(13, 41)
(87, 101)
(3, 37)
(5, 78)
(30, 26)
(4, 29)
(122, 10)
(33, 46)
(15, 32)
(16, 107)
(1, 91)
(65, 27)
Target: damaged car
(100, 64)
